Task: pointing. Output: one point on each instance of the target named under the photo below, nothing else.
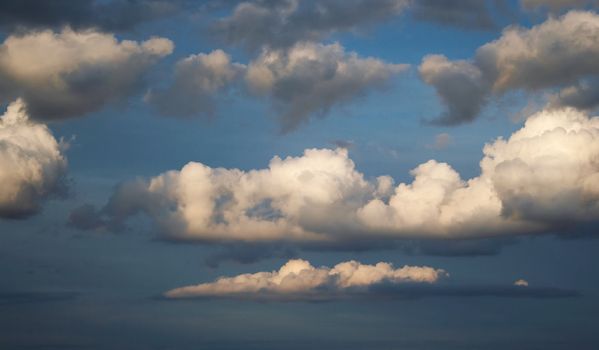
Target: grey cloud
(584, 95)
(113, 15)
(197, 81)
(469, 14)
(309, 79)
(301, 82)
(254, 24)
(556, 6)
(543, 57)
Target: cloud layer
(298, 279)
(32, 166)
(557, 53)
(543, 179)
(66, 74)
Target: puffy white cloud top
(32, 166)
(560, 52)
(299, 279)
(542, 179)
(70, 73)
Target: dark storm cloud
(111, 15)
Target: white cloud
(308, 79)
(521, 283)
(298, 279)
(544, 178)
(556, 53)
(68, 73)
(32, 166)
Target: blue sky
(111, 239)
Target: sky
(299, 174)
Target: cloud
(83, 14)
(298, 279)
(32, 166)
(542, 57)
(555, 6)
(521, 283)
(282, 24)
(541, 180)
(198, 78)
(70, 73)
(468, 14)
(309, 79)
(442, 141)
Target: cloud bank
(70, 73)
(558, 53)
(298, 279)
(543, 179)
(32, 166)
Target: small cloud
(442, 141)
(347, 144)
(521, 283)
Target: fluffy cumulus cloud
(32, 166)
(278, 24)
(543, 57)
(542, 179)
(298, 279)
(197, 81)
(70, 73)
(308, 79)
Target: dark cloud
(197, 81)
(469, 14)
(279, 24)
(309, 79)
(249, 254)
(113, 15)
